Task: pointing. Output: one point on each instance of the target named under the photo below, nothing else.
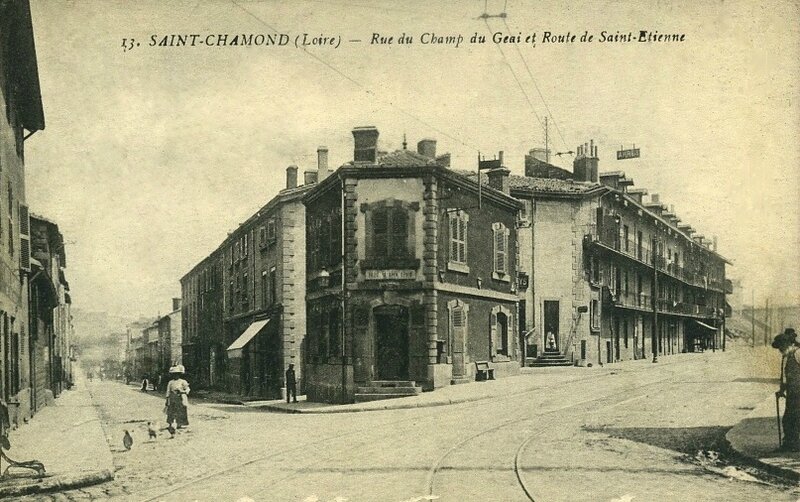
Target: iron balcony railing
(610, 238)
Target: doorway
(551, 309)
(391, 342)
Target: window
(390, 232)
(502, 334)
(264, 289)
(500, 251)
(271, 231)
(244, 244)
(458, 237)
(230, 296)
(639, 245)
(595, 315)
(245, 284)
(262, 236)
(626, 236)
(273, 285)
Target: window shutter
(458, 318)
(399, 237)
(500, 249)
(462, 237)
(25, 239)
(380, 230)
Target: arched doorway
(391, 342)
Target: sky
(151, 156)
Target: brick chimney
(291, 177)
(498, 177)
(427, 147)
(366, 144)
(322, 163)
(176, 304)
(309, 177)
(585, 165)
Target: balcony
(609, 238)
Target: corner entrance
(391, 342)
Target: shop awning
(712, 328)
(235, 350)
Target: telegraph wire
(530, 74)
(514, 74)
(359, 84)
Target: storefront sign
(382, 275)
(632, 153)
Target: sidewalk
(67, 437)
(756, 437)
(529, 379)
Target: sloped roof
(540, 185)
(397, 158)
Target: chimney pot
(322, 162)
(365, 141)
(500, 157)
(654, 199)
(427, 147)
(498, 179)
(291, 177)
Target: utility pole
(546, 141)
(753, 318)
(654, 333)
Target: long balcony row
(643, 301)
(609, 238)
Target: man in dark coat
(786, 342)
(291, 384)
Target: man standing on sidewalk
(291, 384)
(786, 342)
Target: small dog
(151, 430)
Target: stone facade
(417, 244)
(21, 114)
(256, 274)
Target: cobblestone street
(609, 426)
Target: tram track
(517, 465)
(312, 448)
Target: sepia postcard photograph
(362, 250)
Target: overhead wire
(514, 74)
(530, 74)
(359, 84)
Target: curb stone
(13, 487)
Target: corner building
(411, 277)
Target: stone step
(540, 364)
(407, 391)
(552, 355)
(363, 398)
(392, 383)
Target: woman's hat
(178, 368)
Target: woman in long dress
(177, 397)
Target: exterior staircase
(386, 389)
(551, 358)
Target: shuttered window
(390, 232)
(500, 248)
(458, 237)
